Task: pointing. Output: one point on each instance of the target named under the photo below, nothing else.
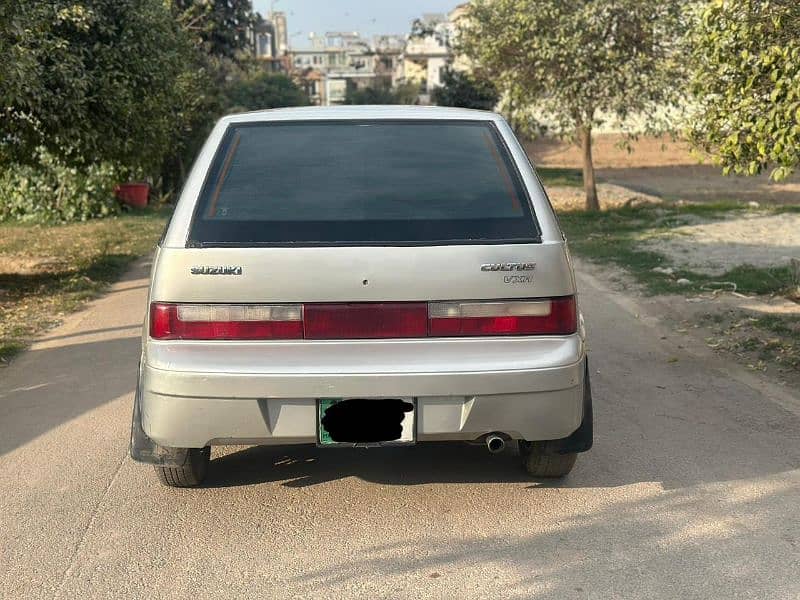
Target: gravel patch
(716, 247)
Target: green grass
(560, 177)
(613, 237)
(47, 271)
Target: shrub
(51, 192)
(465, 90)
(262, 90)
(370, 95)
(403, 94)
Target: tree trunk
(181, 172)
(589, 185)
(511, 120)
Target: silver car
(362, 276)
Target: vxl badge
(513, 267)
(207, 270)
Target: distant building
(428, 52)
(269, 41)
(263, 40)
(281, 32)
(327, 53)
(339, 61)
(425, 56)
(388, 51)
(313, 83)
(460, 62)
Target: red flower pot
(133, 194)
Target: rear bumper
(195, 409)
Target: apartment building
(429, 51)
(269, 40)
(338, 61)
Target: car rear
(398, 264)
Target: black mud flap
(145, 450)
(582, 438)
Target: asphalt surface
(692, 489)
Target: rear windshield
(362, 182)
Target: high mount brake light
(362, 320)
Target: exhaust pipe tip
(495, 443)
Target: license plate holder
(370, 408)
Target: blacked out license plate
(366, 421)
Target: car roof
(325, 113)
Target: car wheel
(540, 464)
(191, 474)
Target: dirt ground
(729, 323)
(665, 168)
(564, 198)
(759, 240)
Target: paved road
(692, 490)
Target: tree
(261, 90)
(746, 80)
(220, 27)
(219, 32)
(406, 93)
(465, 90)
(403, 94)
(99, 80)
(581, 61)
(370, 95)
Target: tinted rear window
(362, 182)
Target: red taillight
(365, 320)
(225, 322)
(556, 316)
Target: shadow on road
(48, 387)
(90, 332)
(300, 466)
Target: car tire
(191, 474)
(538, 463)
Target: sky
(368, 17)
